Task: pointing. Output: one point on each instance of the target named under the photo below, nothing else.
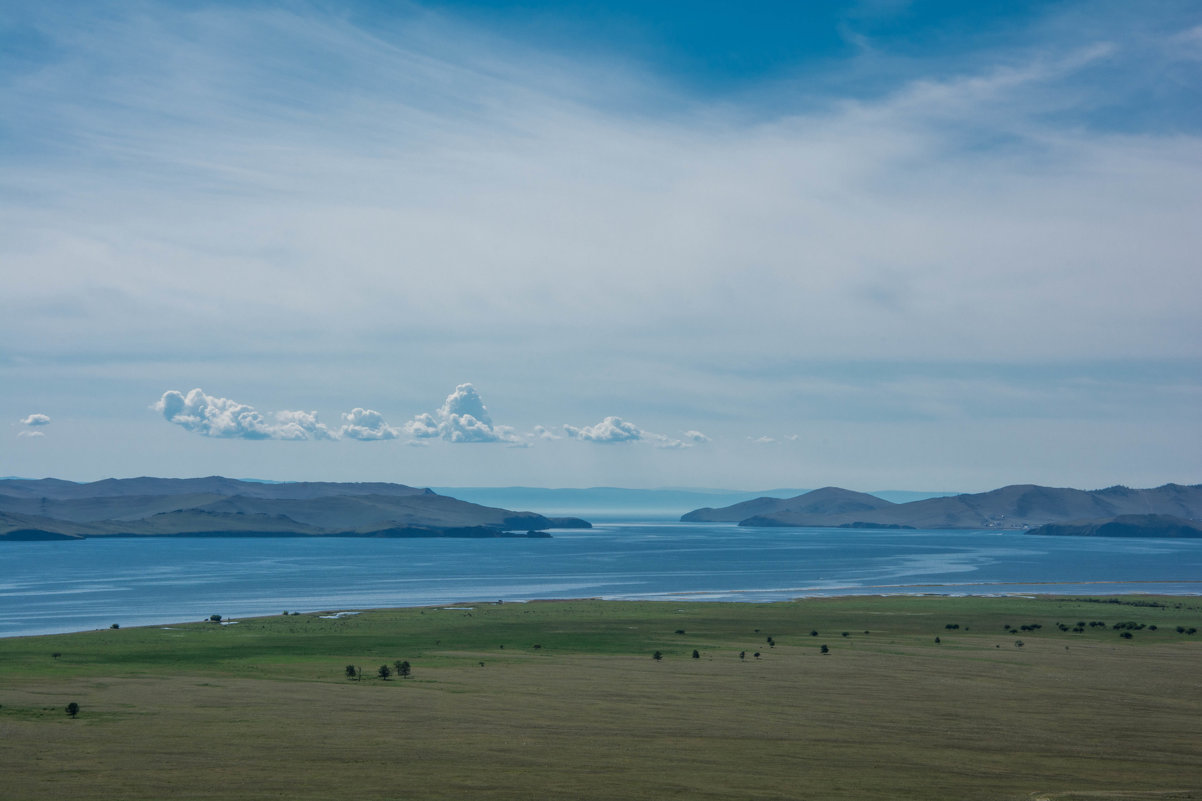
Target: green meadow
(565, 700)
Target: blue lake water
(48, 587)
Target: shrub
(695, 654)
(214, 618)
(72, 709)
(115, 626)
(824, 650)
(658, 655)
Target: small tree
(384, 672)
(824, 649)
(695, 654)
(404, 670)
(72, 709)
(658, 655)
(351, 671)
(115, 626)
(214, 618)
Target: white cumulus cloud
(366, 424)
(35, 419)
(462, 418)
(696, 437)
(211, 416)
(611, 429)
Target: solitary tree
(351, 671)
(695, 654)
(824, 649)
(214, 618)
(658, 655)
(72, 709)
(384, 672)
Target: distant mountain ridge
(1019, 506)
(217, 506)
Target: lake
(48, 587)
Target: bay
(49, 587)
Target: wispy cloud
(188, 180)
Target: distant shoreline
(682, 597)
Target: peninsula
(1027, 507)
(49, 509)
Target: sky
(876, 244)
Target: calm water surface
(48, 587)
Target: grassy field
(555, 700)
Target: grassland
(564, 700)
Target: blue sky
(879, 244)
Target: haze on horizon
(872, 244)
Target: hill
(1020, 506)
(1124, 526)
(820, 502)
(216, 506)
